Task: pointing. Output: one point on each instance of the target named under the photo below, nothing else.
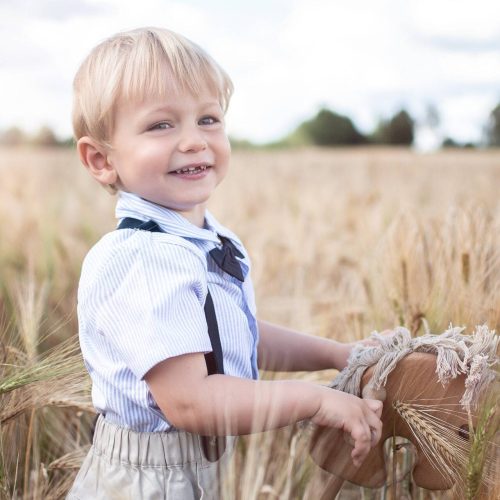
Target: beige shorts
(127, 465)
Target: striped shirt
(141, 300)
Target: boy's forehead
(166, 86)
(143, 106)
(152, 103)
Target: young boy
(149, 120)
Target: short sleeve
(154, 309)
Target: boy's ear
(95, 159)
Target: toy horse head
(414, 379)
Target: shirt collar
(170, 221)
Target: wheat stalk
(42, 192)
(71, 460)
(450, 454)
(438, 440)
(487, 426)
(64, 359)
(70, 390)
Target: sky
(287, 58)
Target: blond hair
(133, 65)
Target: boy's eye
(209, 120)
(160, 126)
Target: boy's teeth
(190, 169)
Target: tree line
(44, 136)
(329, 128)
(326, 128)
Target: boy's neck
(196, 216)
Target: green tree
(329, 129)
(398, 130)
(45, 137)
(13, 136)
(493, 127)
(449, 142)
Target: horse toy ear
(413, 380)
(418, 407)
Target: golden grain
(342, 242)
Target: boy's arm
(282, 349)
(225, 405)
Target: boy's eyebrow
(168, 107)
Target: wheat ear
(439, 443)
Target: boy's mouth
(191, 169)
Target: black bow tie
(225, 258)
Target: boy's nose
(192, 141)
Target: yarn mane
(472, 355)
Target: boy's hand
(360, 418)
(344, 349)
(372, 342)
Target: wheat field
(342, 241)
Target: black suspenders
(212, 446)
(214, 359)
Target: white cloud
(464, 116)
(455, 19)
(41, 51)
(363, 58)
(320, 53)
(53, 9)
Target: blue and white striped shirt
(141, 300)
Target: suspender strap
(214, 360)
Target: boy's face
(172, 152)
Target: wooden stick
(331, 488)
(323, 485)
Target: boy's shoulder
(125, 246)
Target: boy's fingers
(374, 422)
(375, 405)
(348, 439)
(359, 432)
(376, 434)
(361, 435)
(365, 431)
(375, 343)
(356, 460)
(361, 449)
(373, 418)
